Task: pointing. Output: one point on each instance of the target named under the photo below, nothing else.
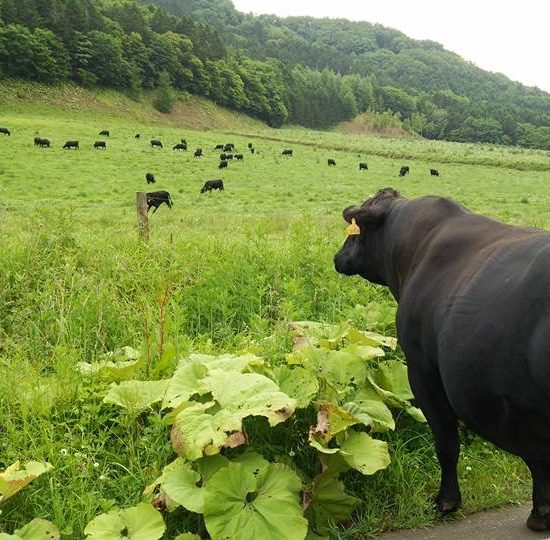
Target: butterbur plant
(219, 408)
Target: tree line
(312, 72)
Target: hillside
(311, 72)
(441, 95)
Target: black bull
(474, 322)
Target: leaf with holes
(364, 453)
(141, 522)
(37, 529)
(240, 504)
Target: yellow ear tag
(353, 229)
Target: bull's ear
(365, 216)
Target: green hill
(298, 70)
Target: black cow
(137, 136)
(223, 157)
(239, 157)
(198, 152)
(222, 165)
(43, 143)
(228, 147)
(71, 144)
(184, 141)
(156, 198)
(474, 322)
(286, 152)
(404, 170)
(150, 177)
(250, 145)
(219, 147)
(104, 133)
(156, 143)
(331, 162)
(100, 144)
(5, 131)
(180, 146)
(363, 166)
(252, 150)
(209, 185)
(434, 172)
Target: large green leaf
(186, 382)
(187, 536)
(179, 482)
(222, 361)
(329, 503)
(362, 337)
(298, 383)
(331, 420)
(207, 427)
(364, 453)
(136, 396)
(119, 365)
(321, 334)
(141, 522)
(391, 380)
(240, 505)
(37, 529)
(15, 478)
(371, 412)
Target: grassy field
(234, 266)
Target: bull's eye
(353, 229)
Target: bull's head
(362, 253)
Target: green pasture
(222, 272)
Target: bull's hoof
(536, 522)
(446, 506)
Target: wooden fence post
(143, 221)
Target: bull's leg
(156, 208)
(430, 396)
(539, 520)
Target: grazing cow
(180, 146)
(100, 144)
(363, 166)
(331, 162)
(71, 144)
(156, 198)
(222, 165)
(286, 152)
(137, 136)
(223, 157)
(184, 141)
(156, 143)
(150, 177)
(228, 156)
(250, 145)
(219, 147)
(104, 133)
(473, 320)
(434, 172)
(198, 152)
(5, 131)
(228, 147)
(43, 143)
(404, 170)
(209, 185)
(252, 150)
(239, 157)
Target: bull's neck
(407, 234)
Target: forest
(298, 70)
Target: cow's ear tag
(353, 229)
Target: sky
(506, 36)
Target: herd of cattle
(156, 198)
